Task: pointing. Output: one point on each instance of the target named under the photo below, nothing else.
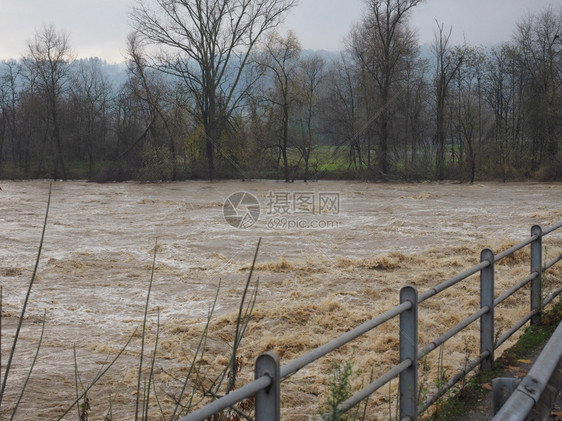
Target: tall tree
(468, 110)
(412, 119)
(504, 94)
(342, 108)
(207, 43)
(151, 91)
(313, 73)
(91, 96)
(538, 39)
(447, 65)
(281, 60)
(49, 57)
(10, 73)
(382, 42)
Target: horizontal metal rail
(529, 393)
(452, 332)
(373, 387)
(515, 288)
(525, 319)
(452, 281)
(516, 247)
(514, 329)
(228, 400)
(552, 262)
(552, 228)
(470, 366)
(552, 296)
(295, 365)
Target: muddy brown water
(332, 255)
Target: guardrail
(534, 396)
(268, 373)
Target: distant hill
(116, 73)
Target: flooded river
(332, 255)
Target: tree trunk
(58, 143)
(285, 142)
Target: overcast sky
(100, 27)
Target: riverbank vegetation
(386, 108)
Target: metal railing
(269, 374)
(534, 396)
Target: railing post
(487, 319)
(536, 283)
(268, 400)
(409, 350)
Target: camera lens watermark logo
(284, 210)
(241, 210)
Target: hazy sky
(100, 27)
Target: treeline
(385, 108)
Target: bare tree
(151, 91)
(10, 73)
(446, 67)
(342, 109)
(313, 73)
(207, 43)
(50, 57)
(412, 119)
(382, 42)
(539, 40)
(281, 60)
(91, 98)
(468, 110)
(504, 88)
